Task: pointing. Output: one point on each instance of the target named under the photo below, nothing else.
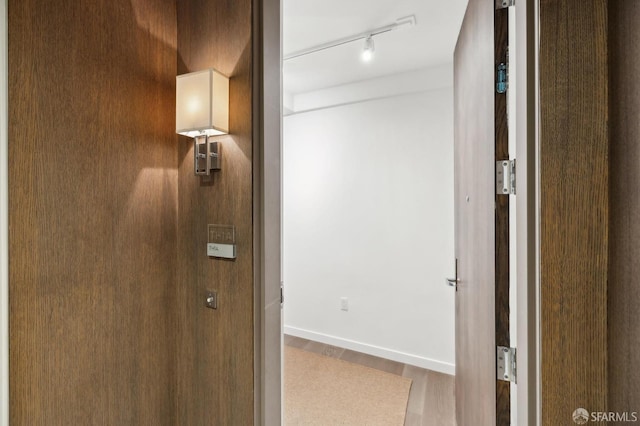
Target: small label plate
(222, 241)
(227, 251)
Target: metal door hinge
(503, 4)
(506, 177)
(506, 364)
(281, 294)
(502, 78)
(502, 74)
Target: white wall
(368, 215)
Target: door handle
(453, 282)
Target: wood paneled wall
(624, 218)
(574, 206)
(215, 347)
(93, 212)
(590, 225)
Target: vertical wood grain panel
(93, 212)
(215, 348)
(574, 207)
(624, 219)
(503, 388)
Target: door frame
(268, 388)
(527, 214)
(4, 217)
(267, 210)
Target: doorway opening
(368, 182)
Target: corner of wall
(387, 86)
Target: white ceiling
(308, 23)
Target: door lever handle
(452, 282)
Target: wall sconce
(202, 110)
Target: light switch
(212, 300)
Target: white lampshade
(202, 103)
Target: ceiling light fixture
(400, 23)
(369, 48)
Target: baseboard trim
(405, 358)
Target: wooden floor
(431, 399)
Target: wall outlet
(344, 303)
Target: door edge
(527, 214)
(4, 218)
(267, 199)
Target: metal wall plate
(226, 251)
(211, 300)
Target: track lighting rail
(408, 21)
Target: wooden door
(481, 218)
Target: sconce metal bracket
(206, 156)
